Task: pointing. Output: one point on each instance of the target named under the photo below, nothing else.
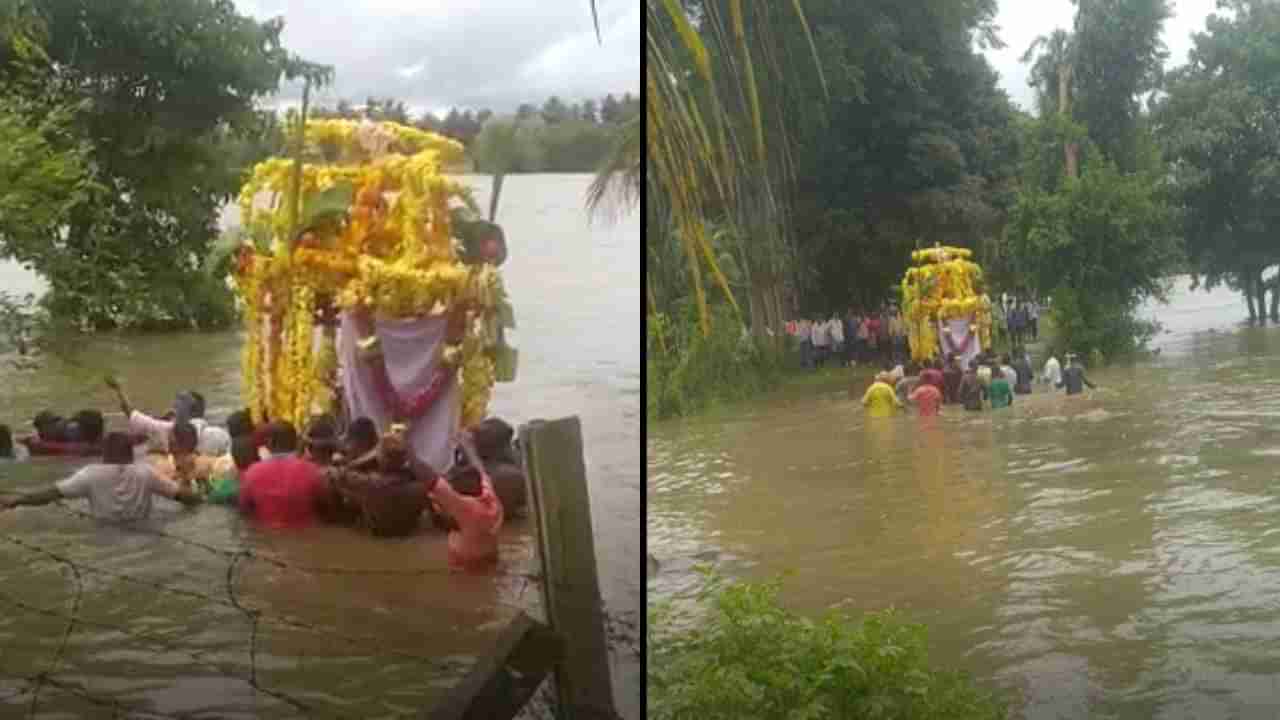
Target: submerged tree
(1220, 122)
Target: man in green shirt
(225, 487)
(1001, 391)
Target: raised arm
(43, 497)
(125, 406)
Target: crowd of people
(1016, 319)
(856, 337)
(987, 382)
(878, 336)
(283, 480)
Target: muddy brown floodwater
(1115, 555)
(163, 626)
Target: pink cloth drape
(410, 349)
(959, 334)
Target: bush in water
(749, 657)
(686, 372)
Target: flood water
(1115, 555)
(382, 642)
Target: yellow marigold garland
(945, 286)
(394, 255)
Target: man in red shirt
(932, 376)
(285, 491)
(927, 397)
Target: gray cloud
(1021, 21)
(436, 54)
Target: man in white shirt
(212, 440)
(820, 342)
(118, 489)
(1033, 318)
(835, 328)
(1052, 371)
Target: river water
(1113, 555)
(383, 643)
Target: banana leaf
(329, 206)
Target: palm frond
(616, 188)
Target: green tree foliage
(159, 89)
(1092, 225)
(555, 111)
(1220, 122)
(746, 656)
(506, 145)
(1118, 58)
(1098, 244)
(916, 147)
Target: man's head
(283, 438)
(362, 437)
(322, 439)
(493, 438)
(393, 453)
(183, 439)
(117, 449)
(91, 425)
(240, 424)
(184, 407)
(197, 412)
(466, 481)
(46, 423)
(244, 452)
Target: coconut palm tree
(715, 145)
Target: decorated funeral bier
(944, 305)
(370, 286)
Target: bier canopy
(375, 226)
(944, 288)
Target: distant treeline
(556, 137)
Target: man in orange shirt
(473, 505)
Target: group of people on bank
(859, 336)
(283, 480)
(987, 382)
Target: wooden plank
(557, 477)
(504, 681)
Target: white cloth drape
(410, 349)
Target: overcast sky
(1021, 21)
(437, 54)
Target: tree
(131, 252)
(1220, 122)
(1098, 244)
(526, 111)
(589, 110)
(610, 110)
(555, 111)
(916, 146)
(452, 125)
(430, 122)
(1118, 58)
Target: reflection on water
(576, 289)
(1114, 555)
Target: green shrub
(1095, 329)
(686, 372)
(745, 656)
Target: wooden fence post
(561, 502)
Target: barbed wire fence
(54, 678)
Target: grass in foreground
(746, 656)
